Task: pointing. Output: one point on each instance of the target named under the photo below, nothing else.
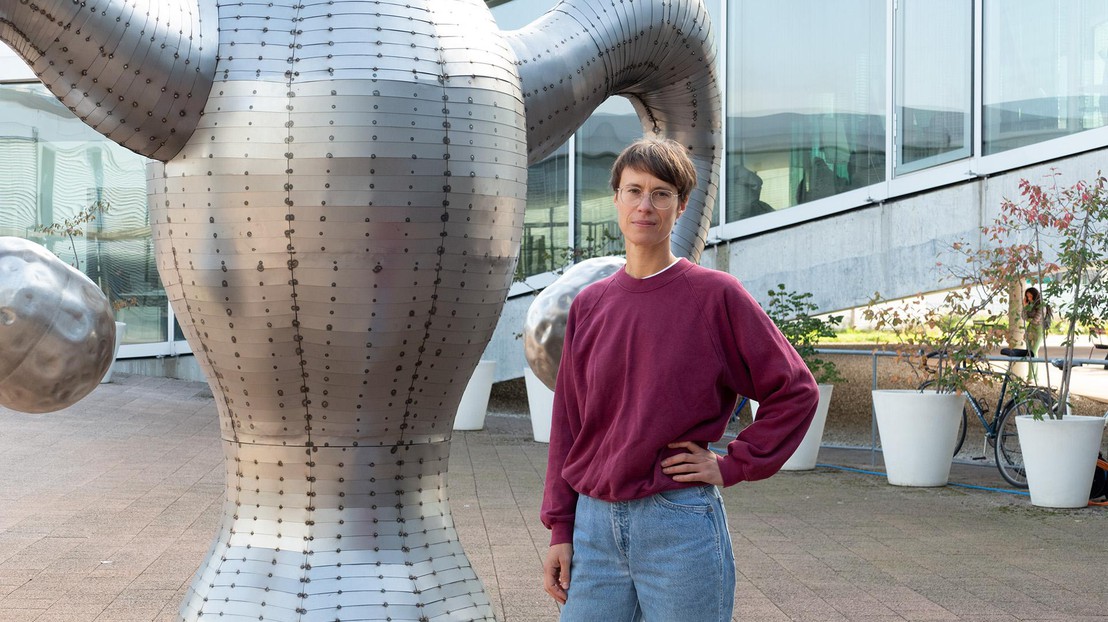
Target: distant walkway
(107, 508)
(1088, 380)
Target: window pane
(55, 168)
(612, 127)
(807, 101)
(715, 11)
(545, 245)
(1044, 70)
(934, 82)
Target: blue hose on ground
(970, 486)
(854, 470)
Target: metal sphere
(544, 328)
(57, 332)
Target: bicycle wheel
(930, 384)
(1009, 458)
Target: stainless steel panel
(372, 158)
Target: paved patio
(108, 507)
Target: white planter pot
(120, 328)
(805, 456)
(918, 433)
(1060, 457)
(540, 400)
(475, 400)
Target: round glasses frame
(631, 196)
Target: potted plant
(475, 399)
(918, 428)
(792, 313)
(945, 339)
(1071, 223)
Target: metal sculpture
(337, 206)
(57, 330)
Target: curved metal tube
(138, 72)
(337, 222)
(660, 55)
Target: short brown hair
(663, 158)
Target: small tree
(74, 227)
(792, 313)
(949, 341)
(1071, 221)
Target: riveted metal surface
(658, 54)
(337, 209)
(137, 71)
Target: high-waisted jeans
(665, 558)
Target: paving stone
(109, 506)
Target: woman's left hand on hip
(697, 464)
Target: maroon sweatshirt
(649, 362)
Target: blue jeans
(663, 558)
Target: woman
(1033, 309)
(1035, 325)
(655, 357)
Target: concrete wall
(182, 367)
(890, 247)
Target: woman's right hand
(555, 571)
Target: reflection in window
(545, 245)
(1044, 70)
(934, 78)
(807, 106)
(612, 127)
(715, 11)
(55, 167)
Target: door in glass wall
(806, 106)
(84, 198)
(1045, 64)
(934, 82)
(612, 127)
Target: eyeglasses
(631, 196)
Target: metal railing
(877, 354)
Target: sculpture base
(336, 533)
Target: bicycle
(1000, 431)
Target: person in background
(654, 359)
(1035, 325)
(1033, 309)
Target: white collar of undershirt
(663, 269)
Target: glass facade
(826, 104)
(934, 83)
(56, 169)
(1045, 64)
(613, 126)
(545, 244)
(806, 107)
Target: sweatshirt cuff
(561, 533)
(731, 471)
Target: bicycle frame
(990, 426)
